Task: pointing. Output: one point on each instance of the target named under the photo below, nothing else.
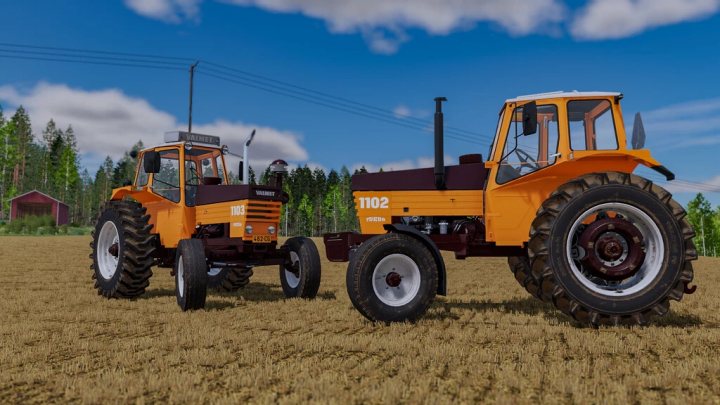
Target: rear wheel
(392, 278)
(611, 248)
(190, 275)
(301, 277)
(228, 279)
(122, 250)
(520, 268)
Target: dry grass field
(488, 341)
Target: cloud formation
(406, 164)
(171, 11)
(683, 125)
(108, 122)
(384, 24)
(612, 19)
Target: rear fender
(410, 231)
(141, 194)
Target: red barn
(39, 204)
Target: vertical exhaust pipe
(439, 145)
(246, 158)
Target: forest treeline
(48, 160)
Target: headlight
(271, 230)
(248, 229)
(188, 145)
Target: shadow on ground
(533, 306)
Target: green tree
(702, 218)
(9, 156)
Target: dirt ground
(488, 341)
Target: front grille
(264, 211)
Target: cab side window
(142, 177)
(591, 125)
(167, 182)
(525, 154)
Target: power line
(331, 106)
(91, 57)
(367, 106)
(95, 51)
(91, 62)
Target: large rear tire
(190, 275)
(520, 268)
(392, 278)
(302, 278)
(228, 279)
(122, 250)
(611, 249)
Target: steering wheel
(195, 179)
(526, 160)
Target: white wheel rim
(214, 271)
(292, 280)
(385, 279)
(180, 277)
(654, 252)
(106, 261)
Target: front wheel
(611, 248)
(190, 275)
(300, 278)
(392, 278)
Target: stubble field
(488, 341)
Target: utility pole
(192, 76)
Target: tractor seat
(211, 181)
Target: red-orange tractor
(186, 216)
(556, 195)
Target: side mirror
(151, 162)
(240, 172)
(529, 118)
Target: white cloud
(403, 111)
(682, 125)
(611, 19)
(172, 11)
(108, 122)
(708, 186)
(406, 164)
(384, 23)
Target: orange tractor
(182, 213)
(556, 195)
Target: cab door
(167, 212)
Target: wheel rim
(620, 249)
(108, 250)
(180, 277)
(291, 279)
(214, 271)
(396, 280)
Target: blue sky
(394, 54)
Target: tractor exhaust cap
(439, 146)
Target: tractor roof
(563, 94)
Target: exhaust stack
(246, 158)
(439, 146)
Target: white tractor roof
(562, 94)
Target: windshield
(202, 167)
(497, 134)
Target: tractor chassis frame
(232, 252)
(339, 246)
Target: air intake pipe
(439, 146)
